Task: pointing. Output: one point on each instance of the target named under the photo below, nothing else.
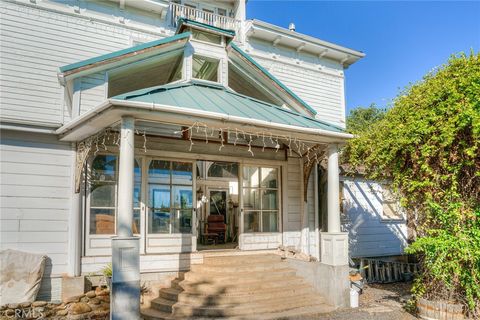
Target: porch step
(220, 298)
(237, 287)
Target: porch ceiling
(198, 101)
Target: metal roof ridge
(190, 22)
(118, 53)
(273, 78)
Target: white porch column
(125, 294)
(125, 178)
(333, 202)
(333, 243)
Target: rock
(91, 294)
(104, 298)
(39, 303)
(84, 299)
(73, 299)
(25, 304)
(9, 312)
(12, 305)
(62, 313)
(104, 292)
(80, 308)
(95, 301)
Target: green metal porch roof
(127, 51)
(211, 97)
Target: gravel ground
(379, 302)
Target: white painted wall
(292, 224)
(37, 39)
(319, 82)
(35, 184)
(369, 234)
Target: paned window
(260, 199)
(103, 195)
(205, 68)
(170, 201)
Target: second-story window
(205, 68)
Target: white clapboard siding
(322, 91)
(35, 43)
(292, 226)
(92, 91)
(370, 235)
(312, 239)
(35, 190)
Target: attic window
(206, 36)
(205, 68)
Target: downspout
(74, 225)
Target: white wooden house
(145, 117)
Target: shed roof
(210, 97)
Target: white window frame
(261, 210)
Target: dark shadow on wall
(370, 234)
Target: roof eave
(128, 55)
(79, 128)
(353, 55)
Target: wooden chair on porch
(216, 226)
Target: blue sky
(403, 40)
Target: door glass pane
(251, 199)
(270, 221)
(182, 221)
(102, 221)
(218, 203)
(223, 170)
(269, 177)
(102, 194)
(103, 168)
(251, 221)
(158, 221)
(159, 171)
(182, 173)
(159, 197)
(269, 199)
(250, 176)
(182, 197)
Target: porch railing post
(125, 289)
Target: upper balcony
(204, 16)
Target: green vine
(428, 145)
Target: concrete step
(240, 268)
(154, 314)
(199, 299)
(241, 259)
(242, 285)
(250, 309)
(229, 277)
(297, 313)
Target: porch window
(205, 68)
(170, 197)
(260, 199)
(103, 195)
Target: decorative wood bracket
(311, 158)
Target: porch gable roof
(212, 97)
(127, 55)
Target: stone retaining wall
(94, 304)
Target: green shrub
(428, 145)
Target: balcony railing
(216, 20)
